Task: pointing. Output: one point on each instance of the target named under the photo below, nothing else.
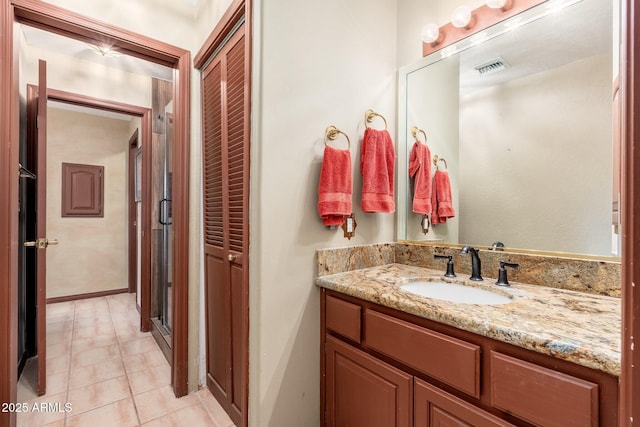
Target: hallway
(109, 372)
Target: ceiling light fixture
(103, 50)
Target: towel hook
(415, 131)
(331, 133)
(437, 159)
(369, 115)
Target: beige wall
(92, 254)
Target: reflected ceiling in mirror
(522, 113)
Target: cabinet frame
(608, 389)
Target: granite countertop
(575, 326)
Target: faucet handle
(502, 272)
(450, 272)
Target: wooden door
(436, 408)
(225, 94)
(362, 391)
(41, 242)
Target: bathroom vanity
(550, 357)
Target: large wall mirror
(523, 114)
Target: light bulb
(461, 17)
(496, 4)
(430, 33)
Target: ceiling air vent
(493, 66)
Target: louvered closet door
(226, 189)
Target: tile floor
(109, 372)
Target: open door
(41, 242)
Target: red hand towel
(420, 171)
(441, 198)
(377, 163)
(334, 189)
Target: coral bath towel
(334, 189)
(377, 163)
(420, 172)
(441, 198)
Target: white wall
(315, 64)
(93, 252)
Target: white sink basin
(455, 293)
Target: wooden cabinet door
(225, 116)
(362, 391)
(436, 408)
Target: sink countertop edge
(560, 323)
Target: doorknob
(232, 257)
(41, 243)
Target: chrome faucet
(476, 265)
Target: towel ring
(369, 115)
(331, 133)
(437, 159)
(415, 131)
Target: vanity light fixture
(461, 17)
(431, 33)
(496, 4)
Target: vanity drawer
(343, 318)
(447, 359)
(542, 396)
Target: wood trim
(482, 18)
(70, 24)
(180, 194)
(132, 216)
(230, 18)
(97, 103)
(630, 379)
(9, 137)
(60, 21)
(87, 295)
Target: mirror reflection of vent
(494, 66)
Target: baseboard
(88, 295)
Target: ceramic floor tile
(59, 337)
(81, 345)
(43, 410)
(100, 394)
(121, 413)
(87, 375)
(217, 414)
(149, 379)
(160, 402)
(137, 346)
(57, 350)
(96, 330)
(95, 355)
(60, 325)
(192, 416)
(141, 361)
(60, 308)
(92, 304)
(56, 365)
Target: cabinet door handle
(232, 257)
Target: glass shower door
(162, 229)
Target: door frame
(68, 23)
